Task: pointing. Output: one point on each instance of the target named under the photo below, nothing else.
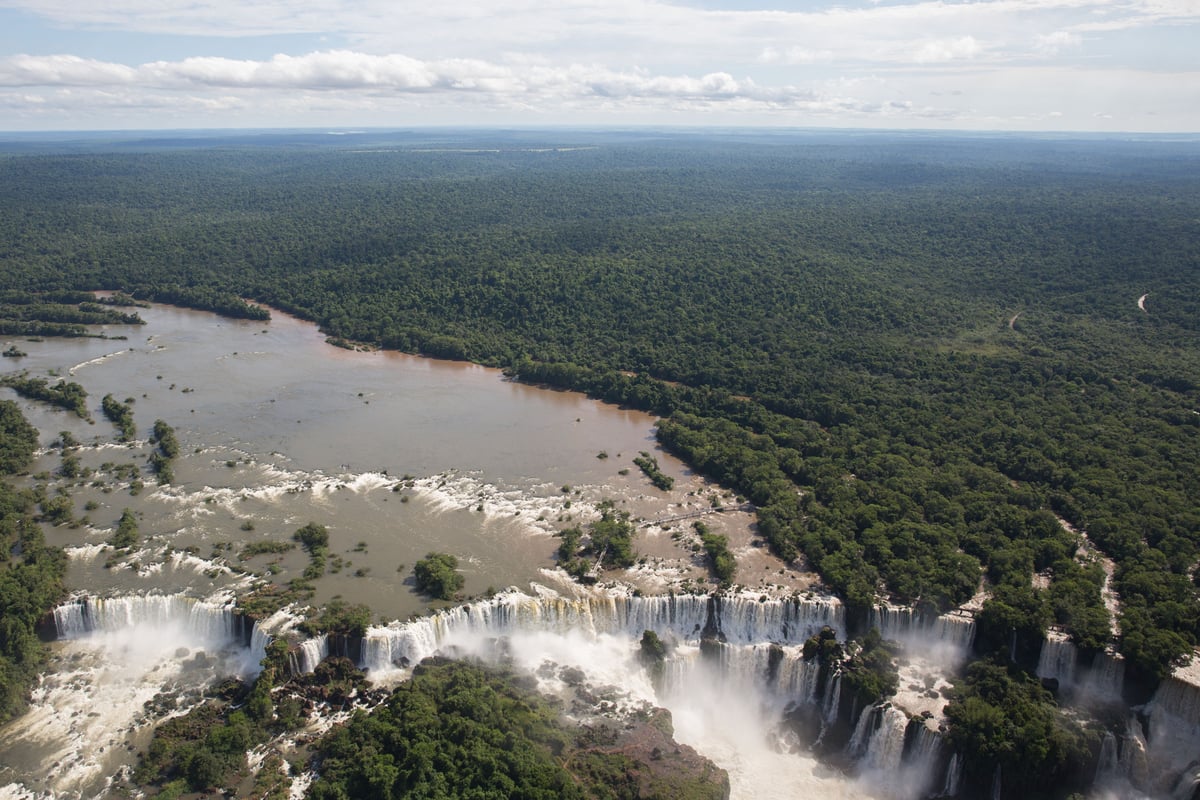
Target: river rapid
(397, 455)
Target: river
(397, 455)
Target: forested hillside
(915, 355)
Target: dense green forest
(30, 572)
(457, 730)
(917, 356)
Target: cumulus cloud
(61, 70)
(565, 59)
(347, 71)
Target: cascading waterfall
(1173, 741)
(308, 654)
(736, 620)
(1105, 680)
(1101, 682)
(953, 780)
(863, 730)
(898, 756)
(743, 654)
(1057, 660)
(833, 698)
(924, 756)
(211, 620)
(208, 623)
(885, 748)
(120, 658)
(942, 638)
(740, 646)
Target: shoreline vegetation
(819, 326)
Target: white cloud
(342, 71)
(1053, 43)
(61, 70)
(566, 59)
(795, 55)
(964, 47)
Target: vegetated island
(820, 325)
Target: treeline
(203, 299)
(830, 327)
(58, 313)
(31, 573)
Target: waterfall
(922, 753)
(833, 697)
(953, 776)
(211, 620)
(1188, 784)
(736, 620)
(1173, 741)
(862, 732)
(1057, 660)
(1104, 681)
(942, 638)
(309, 653)
(1108, 764)
(903, 756)
(885, 748)
(779, 673)
(745, 620)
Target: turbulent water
(727, 698)
(398, 456)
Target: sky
(1005, 65)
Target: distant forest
(918, 356)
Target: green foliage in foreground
(437, 576)
(460, 731)
(206, 747)
(1002, 717)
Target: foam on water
(117, 655)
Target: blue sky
(1028, 65)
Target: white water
(1101, 682)
(89, 712)
(726, 698)
(1173, 741)
(726, 703)
(739, 619)
(940, 639)
(1057, 660)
